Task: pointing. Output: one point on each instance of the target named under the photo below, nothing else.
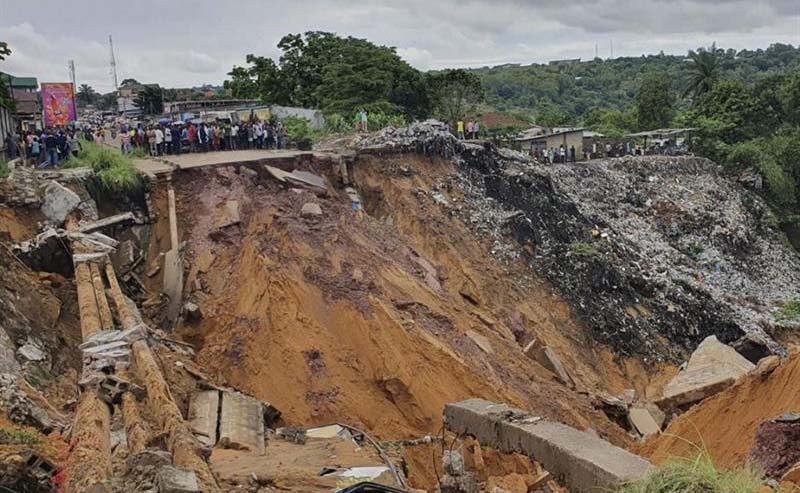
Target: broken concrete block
(586, 463)
(58, 202)
(643, 422)
(311, 209)
(31, 352)
(241, 423)
(713, 367)
(453, 462)
(203, 416)
(550, 360)
(459, 484)
(171, 479)
(173, 282)
(228, 215)
(125, 255)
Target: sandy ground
(726, 423)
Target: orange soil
(18, 224)
(726, 423)
(301, 311)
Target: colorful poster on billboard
(58, 100)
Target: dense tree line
(341, 74)
(568, 91)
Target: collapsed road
(234, 311)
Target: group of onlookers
(178, 137)
(48, 147)
(471, 130)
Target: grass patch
(115, 172)
(790, 311)
(580, 249)
(4, 169)
(695, 476)
(16, 436)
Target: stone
(453, 462)
(481, 341)
(171, 479)
(311, 209)
(586, 463)
(228, 215)
(58, 202)
(550, 360)
(713, 367)
(124, 256)
(643, 422)
(192, 311)
(767, 365)
(203, 416)
(241, 423)
(31, 352)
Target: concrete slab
(643, 421)
(203, 416)
(586, 463)
(242, 423)
(58, 201)
(173, 282)
(713, 367)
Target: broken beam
(105, 222)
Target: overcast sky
(180, 43)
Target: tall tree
(86, 95)
(704, 71)
(6, 101)
(336, 74)
(150, 100)
(454, 93)
(655, 101)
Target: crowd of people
(49, 147)
(179, 137)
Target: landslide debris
(655, 253)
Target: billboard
(58, 100)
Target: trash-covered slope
(654, 253)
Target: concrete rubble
(712, 368)
(311, 209)
(241, 423)
(171, 479)
(58, 202)
(584, 461)
(549, 359)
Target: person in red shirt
(192, 137)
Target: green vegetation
(335, 74)
(115, 172)
(18, 436)
(586, 250)
(790, 311)
(4, 169)
(695, 476)
(150, 100)
(453, 93)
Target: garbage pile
(429, 137)
(655, 253)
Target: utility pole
(596, 50)
(611, 42)
(113, 62)
(71, 66)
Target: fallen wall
(584, 462)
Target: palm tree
(703, 71)
(86, 94)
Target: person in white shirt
(159, 141)
(234, 136)
(167, 142)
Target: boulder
(713, 367)
(58, 202)
(311, 209)
(171, 479)
(31, 352)
(548, 359)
